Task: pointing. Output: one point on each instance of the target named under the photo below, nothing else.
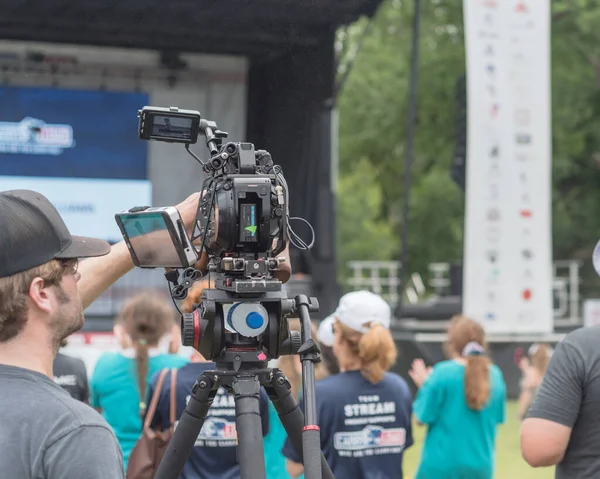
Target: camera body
(243, 204)
(242, 226)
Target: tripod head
(214, 327)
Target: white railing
(382, 277)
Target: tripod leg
(246, 391)
(188, 428)
(292, 418)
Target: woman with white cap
(364, 412)
(462, 401)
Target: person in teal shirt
(120, 380)
(461, 401)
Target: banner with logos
(80, 149)
(507, 280)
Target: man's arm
(546, 431)
(98, 274)
(88, 451)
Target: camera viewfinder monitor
(155, 240)
(169, 124)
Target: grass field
(509, 463)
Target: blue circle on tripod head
(254, 320)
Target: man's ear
(40, 296)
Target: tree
(373, 108)
(361, 232)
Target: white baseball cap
(325, 332)
(359, 308)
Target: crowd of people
(56, 426)
(356, 395)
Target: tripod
(240, 372)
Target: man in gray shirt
(45, 433)
(562, 426)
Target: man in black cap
(43, 291)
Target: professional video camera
(241, 227)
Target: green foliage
(361, 233)
(373, 120)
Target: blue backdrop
(103, 144)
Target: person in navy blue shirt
(214, 455)
(364, 412)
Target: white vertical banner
(507, 278)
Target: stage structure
(265, 70)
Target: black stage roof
(254, 28)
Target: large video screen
(80, 149)
(71, 133)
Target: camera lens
(239, 264)
(188, 329)
(216, 164)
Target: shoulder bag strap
(155, 397)
(173, 408)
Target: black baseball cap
(33, 233)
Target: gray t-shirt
(570, 395)
(46, 434)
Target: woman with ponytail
(120, 380)
(461, 401)
(364, 412)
